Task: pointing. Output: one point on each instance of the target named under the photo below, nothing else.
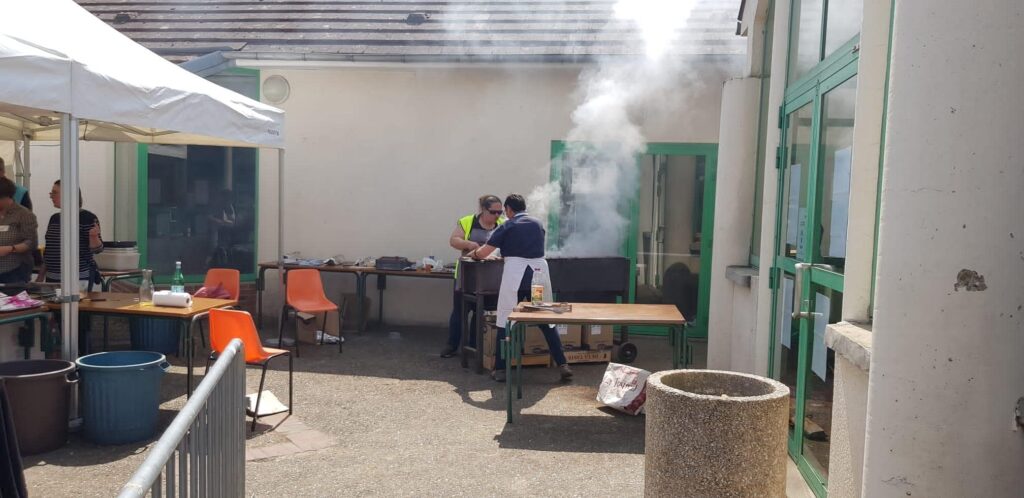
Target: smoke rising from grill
(616, 96)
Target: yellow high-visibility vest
(466, 222)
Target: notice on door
(793, 208)
(785, 329)
(819, 352)
(840, 203)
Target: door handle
(798, 287)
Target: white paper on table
(786, 327)
(840, 203)
(819, 353)
(794, 204)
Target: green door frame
(810, 90)
(697, 325)
(142, 201)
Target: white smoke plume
(615, 97)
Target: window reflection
(201, 208)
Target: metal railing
(202, 452)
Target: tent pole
(69, 235)
(280, 211)
(26, 163)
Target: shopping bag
(624, 388)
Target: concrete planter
(715, 433)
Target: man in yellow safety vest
(471, 231)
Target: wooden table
(362, 273)
(29, 315)
(124, 304)
(665, 315)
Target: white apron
(511, 277)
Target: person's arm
(26, 234)
(482, 252)
(95, 239)
(459, 243)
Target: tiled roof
(410, 29)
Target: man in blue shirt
(521, 240)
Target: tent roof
(56, 57)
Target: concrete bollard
(715, 433)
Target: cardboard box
(534, 342)
(571, 336)
(588, 356)
(350, 308)
(527, 361)
(490, 349)
(309, 323)
(598, 337)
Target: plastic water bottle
(537, 287)
(178, 281)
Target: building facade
(876, 268)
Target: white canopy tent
(66, 75)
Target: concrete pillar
(770, 187)
(734, 199)
(946, 366)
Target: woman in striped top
(89, 243)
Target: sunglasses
(495, 212)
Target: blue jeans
(550, 335)
(455, 323)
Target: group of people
(508, 228)
(19, 238)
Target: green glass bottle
(178, 281)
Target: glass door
(667, 230)
(665, 240)
(812, 215)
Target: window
(818, 29)
(201, 209)
(198, 204)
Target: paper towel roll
(172, 299)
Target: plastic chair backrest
(305, 286)
(227, 278)
(231, 324)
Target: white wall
(946, 364)
(769, 189)
(849, 418)
(384, 160)
(734, 199)
(96, 165)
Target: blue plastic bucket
(162, 335)
(121, 395)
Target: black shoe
(498, 375)
(449, 352)
(565, 372)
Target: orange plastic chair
(227, 278)
(226, 325)
(304, 292)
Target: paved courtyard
(391, 418)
